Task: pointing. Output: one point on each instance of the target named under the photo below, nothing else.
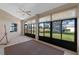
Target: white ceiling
(35, 8)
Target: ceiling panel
(35, 8)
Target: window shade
(31, 21)
(44, 19)
(64, 15)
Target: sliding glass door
(47, 29)
(29, 28)
(68, 30)
(56, 29)
(41, 29)
(25, 28)
(60, 32)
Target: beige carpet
(13, 41)
(32, 47)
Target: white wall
(7, 19)
(77, 13)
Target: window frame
(39, 28)
(44, 28)
(60, 28)
(62, 43)
(25, 28)
(59, 42)
(13, 27)
(49, 29)
(33, 28)
(30, 29)
(27, 33)
(75, 28)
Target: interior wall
(77, 13)
(7, 19)
(22, 27)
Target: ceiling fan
(24, 11)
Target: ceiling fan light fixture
(24, 12)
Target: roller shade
(44, 19)
(64, 15)
(31, 21)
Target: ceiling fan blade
(25, 12)
(29, 14)
(21, 9)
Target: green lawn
(67, 37)
(56, 35)
(47, 34)
(41, 34)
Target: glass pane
(56, 32)
(34, 28)
(26, 30)
(47, 29)
(68, 30)
(29, 28)
(41, 26)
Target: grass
(41, 34)
(56, 35)
(65, 36)
(47, 34)
(69, 37)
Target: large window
(47, 29)
(29, 28)
(13, 27)
(25, 28)
(56, 29)
(61, 30)
(44, 29)
(41, 29)
(68, 30)
(64, 30)
(44, 26)
(33, 28)
(68, 24)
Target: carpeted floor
(32, 47)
